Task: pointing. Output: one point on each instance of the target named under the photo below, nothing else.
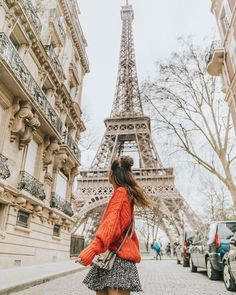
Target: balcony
(55, 61)
(215, 59)
(31, 15)
(14, 63)
(60, 204)
(69, 141)
(4, 170)
(31, 185)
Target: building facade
(221, 60)
(42, 65)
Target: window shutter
(61, 185)
(31, 157)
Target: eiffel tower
(128, 131)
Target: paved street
(158, 277)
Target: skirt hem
(114, 287)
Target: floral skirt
(123, 275)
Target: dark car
(209, 246)
(229, 261)
(182, 250)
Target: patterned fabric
(115, 220)
(123, 275)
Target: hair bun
(126, 162)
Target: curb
(19, 287)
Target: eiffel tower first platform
(128, 131)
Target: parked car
(209, 246)
(182, 250)
(229, 262)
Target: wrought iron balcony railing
(215, 45)
(32, 185)
(4, 170)
(55, 61)
(60, 204)
(31, 14)
(9, 54)
(68, 140)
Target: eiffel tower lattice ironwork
(128, 131)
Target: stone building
(221, 60)
(42, 65)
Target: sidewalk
(20, 278)
(151, 256)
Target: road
(157, 277)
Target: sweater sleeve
(108, 231)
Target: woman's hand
(79, 260)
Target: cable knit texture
(115, 221)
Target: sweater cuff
(87, 255)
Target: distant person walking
(174, 250)
(156, 246)
(123, 277)
(168, 250)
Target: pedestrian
(156, 246)
(175, 246)
(168, 250)
(123, 277)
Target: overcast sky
(157, 24)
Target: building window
(2, 123)
(22, 219)
(31, 157)
(56, 230)
(61, 185)
(14, 41)
(18, 38)
(227, 10)
(224, 21)
(2, 216)
(232, 52)
(44, 88)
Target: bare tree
(145, 232)
(150, 225)
(217, 203)
(189, 107)
(88, 138)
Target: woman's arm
(109, 230)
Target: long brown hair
(123, 176)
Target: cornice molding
(78, 40)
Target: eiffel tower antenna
(128, 131)
(127, 101)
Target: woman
(123, 277)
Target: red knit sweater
(115, 220)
